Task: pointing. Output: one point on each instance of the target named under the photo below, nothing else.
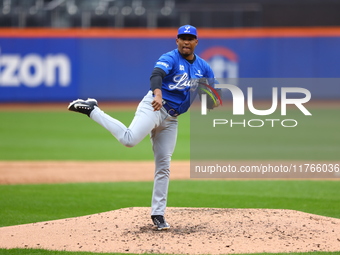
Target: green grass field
(314, 138)
(68, 136)
(56, 201)
(71, 136)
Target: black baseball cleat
(159, 222)
(83, 106)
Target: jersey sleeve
(165, 63)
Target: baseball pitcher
(157, 113)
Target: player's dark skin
(186, 45)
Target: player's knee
(130, 144)
(129, 140)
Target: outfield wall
(42, 65)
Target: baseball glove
(213, 95)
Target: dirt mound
(193, 231)
(24, 172)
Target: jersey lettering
(182, 82)
(162, 64)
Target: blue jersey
(180, 76)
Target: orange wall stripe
(168, 33)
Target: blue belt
(172, 112)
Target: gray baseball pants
(163, 133)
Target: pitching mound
(193, 231)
